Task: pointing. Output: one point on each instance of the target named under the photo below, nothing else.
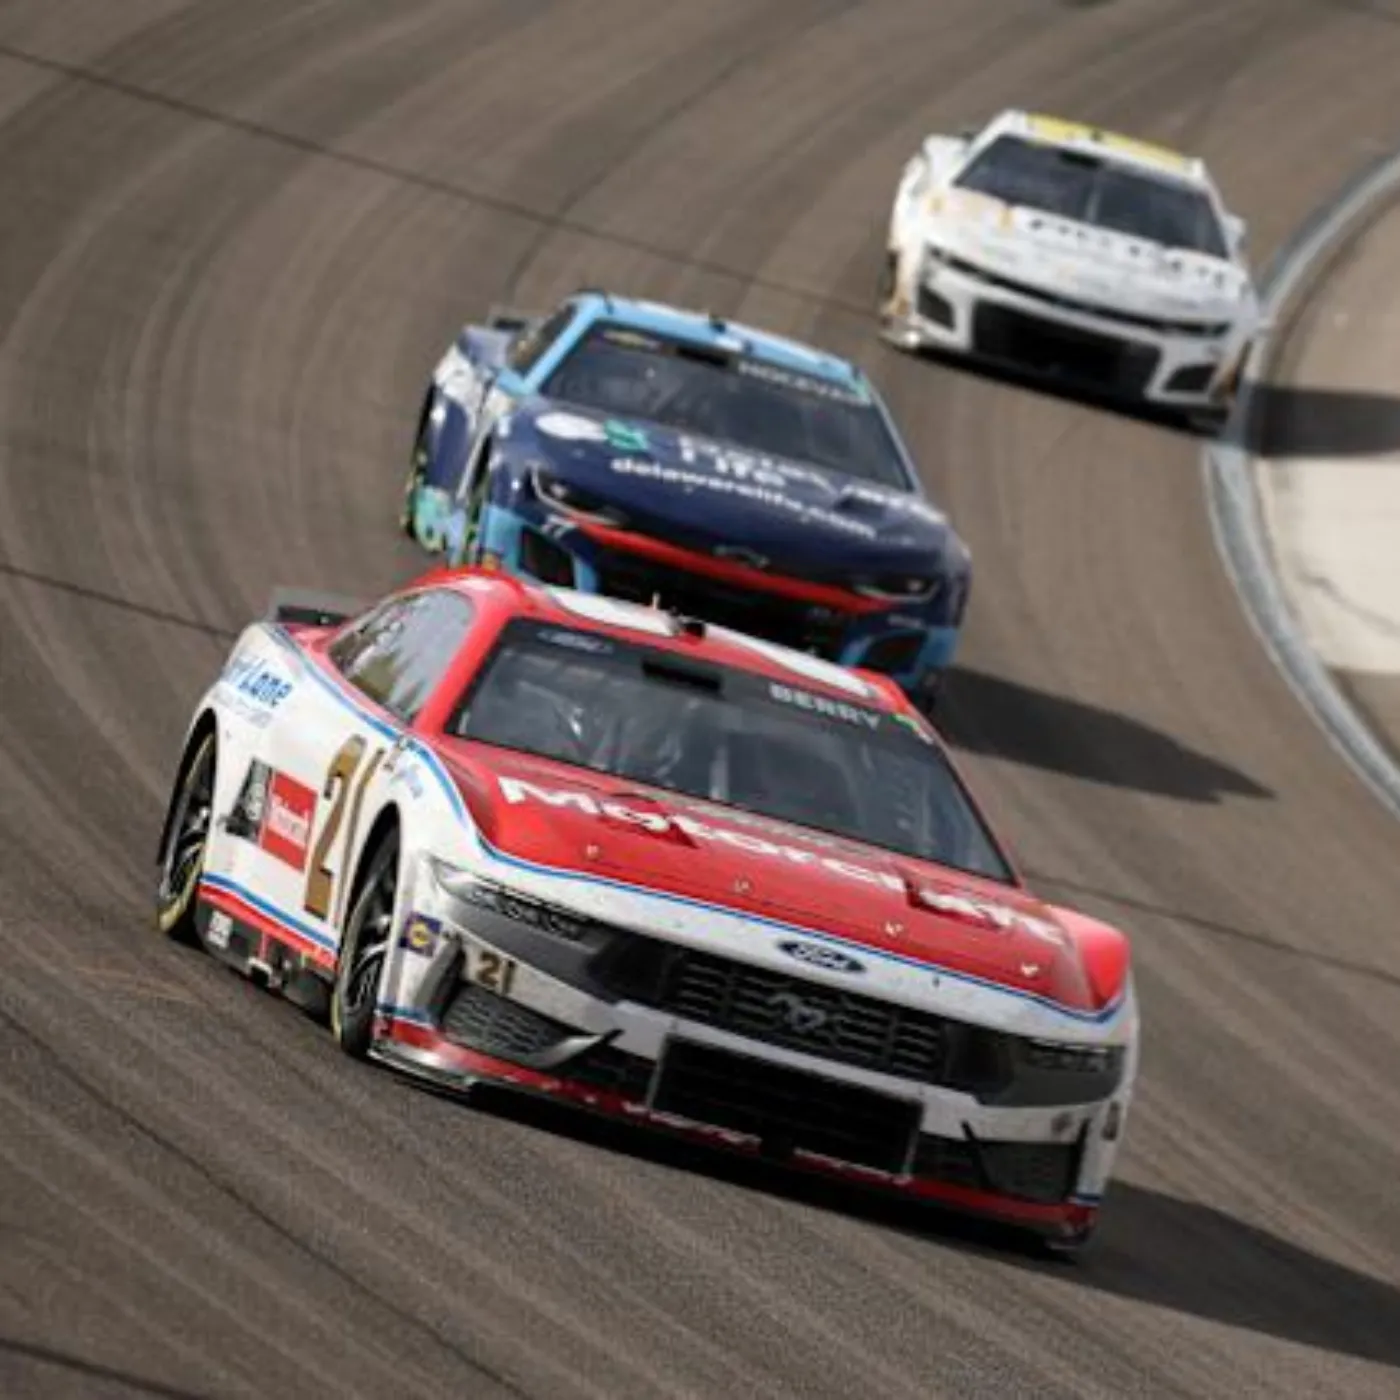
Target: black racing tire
(186, 843)
(884, 290)
(363, 951)
(417, 466)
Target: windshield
(1104, 193)
(778, 750)
(736, 398)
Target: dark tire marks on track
(235, 236)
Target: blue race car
(664, 456)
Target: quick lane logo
(964, 906)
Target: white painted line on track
(1236, 510)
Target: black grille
(483, 1021)
(1205, 329)
(1102, 361)
(615, 1071)
(894, 653)
(1044, 1172)
(802, 1015)
(782, 1010)
(784, 1108)
(1191, 379)
(935, 308)
(805, 626)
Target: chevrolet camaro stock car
(621, 447)
(1077, 253)
(600, 852)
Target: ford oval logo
(819, 955)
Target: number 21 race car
(659, 870)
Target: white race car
(1074, 253)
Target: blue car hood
(705, 494)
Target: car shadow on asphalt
(1287, 420)
(1002, 718)
(1063, 390)
(1151, 1247)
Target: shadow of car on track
(1064, 390)
(1002, 718)
(1287, 420)
(1151, 1248)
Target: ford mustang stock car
(1077, 253)
(656, 869)
(626, 448)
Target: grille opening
(545, 560)
(770, 616)
(785, 1109)
(1102, 362)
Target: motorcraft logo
(819, 955)
(961, 905)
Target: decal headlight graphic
(1072, 1059)
(466, 888)
(565, 496)
(902, 588)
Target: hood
(708, 495)
(1093, 264)
(572, 819)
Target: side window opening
(398, 653)
(528, 348)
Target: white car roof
(1075, 135)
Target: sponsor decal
(220, 930)
(823, 705)
(744, 490)
(573, 427)
(286, 831)
(254, 689)
(420, 935)
(956, 904)
(806, 384)
(820, 955)
(577, 641)
(274, 812)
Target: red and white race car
(660, 870)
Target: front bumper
(578, 1039)
(911, 642)
(943, 303)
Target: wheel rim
(189, 833)
(371, 942)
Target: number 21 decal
(337, 788)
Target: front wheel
(364, 949)
(181, 859)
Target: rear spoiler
(302, 607)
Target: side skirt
(263, 951)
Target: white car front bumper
(944, 303)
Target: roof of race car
(1076, 135)
(626, 621)
(702, 328)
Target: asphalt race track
(234, 237)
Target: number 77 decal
(340, 780)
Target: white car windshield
(1106, 193)
(727, 736)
